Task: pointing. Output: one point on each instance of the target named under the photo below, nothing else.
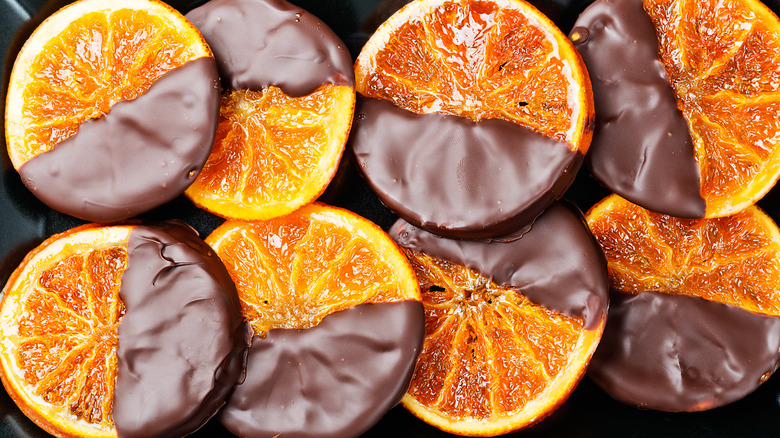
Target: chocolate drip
(678, 353)
(336, 379)
(642, 148)
(556, 264)
(458, 178)
(258, 43)
(142, 154)
(182, 341)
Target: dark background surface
(25, 222)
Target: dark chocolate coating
(458, 178)
(678, 353)
(641, 148)
(183, 339)
(556, 264)
(334, 380)
(258, 43)
(142, 154)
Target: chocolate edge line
(687, 122)
(590, 322)
(406, 300)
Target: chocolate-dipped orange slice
(694, 322)
(286, 111)
(474, 115)
(337, 317)
(510, 325)
(686, 98)
(102, 332)
(111, 108)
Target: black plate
(25, 222)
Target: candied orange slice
(84, 59)
(294, 270)
(493, 361)
(480, 59)
(733, 260)
(273, 153)
(58, 330)
(723, 62)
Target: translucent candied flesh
(67, 333)
(723, 62)
(272, 148)
(488, 349)
(479, 61)
(293, 271)
(732, 260)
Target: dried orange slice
(286, 111)
(337, 317)
(294, 270)
(96, 331)
(495, 361)
(693, 318)
(722, 61)
(480, 59)
(733, 260)
(84, 59)
(486, 101)
(273, 153)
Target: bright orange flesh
(723, 62)
(480, 59)
(86, 58)
(273, 153)
(733, 260)
(58, 331)
(293, 271)
(492, 362)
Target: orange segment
(58, 331)
(492, 361)
(480, 59)
(723, 62)
(84, 59)
(273, 153)
(294, 270)
(733, 260)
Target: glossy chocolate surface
(258, 43)
(142, 154)
(678, 353)
(588, 413)
(641, 148)
(182, 341)
(556, 264)
(334, 380)
(458, 178)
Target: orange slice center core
(488, 349)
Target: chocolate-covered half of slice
(334, 380)
(556, 263)
(679, 353)
(455, 177)
(642, 147)
(182, 342)
(142, 154)
(259, 43)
